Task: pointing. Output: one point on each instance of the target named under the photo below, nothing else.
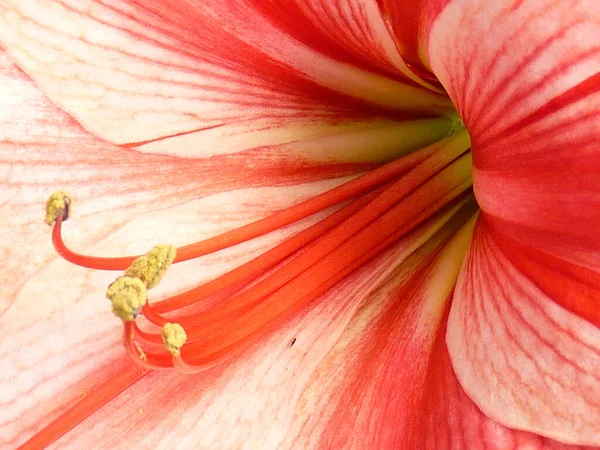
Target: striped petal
(523, 333)
(222, 77)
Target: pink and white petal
(248, 403)
(229, 74)
(368, 391)
(530, 97)
(452, 421)
(523, 359)
(529, 93)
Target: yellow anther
(174, 337)
(59, 204)
(151, 267)
(127, 295)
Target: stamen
(434, 157)
(151, 267)
(250, 270)
(376, 211)
(58, 205)
(174, 337)
(128, 295)
(246, 316)
(145, 359)
(232, 326)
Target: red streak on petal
(575, 288)
(582, 90)
(410, 22)
(96, 399)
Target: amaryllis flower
(385, 213)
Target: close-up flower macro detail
(300, 224)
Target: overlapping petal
(523, 332)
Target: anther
(151, 267)
(128, 296)
(174, 337)
(59, 204)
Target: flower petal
(216, 78)
(529, 94)
(451, 419)
(524, 360)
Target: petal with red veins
(523, 333)
(451, 420)
(216, 77)
(523, 359)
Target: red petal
(523, 333)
